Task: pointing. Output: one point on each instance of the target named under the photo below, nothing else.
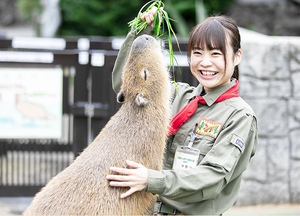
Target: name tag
(185, 158)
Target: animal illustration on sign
(136, 132)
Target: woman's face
(208, 66)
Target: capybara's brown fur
(136, 132)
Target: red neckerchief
(186, 112)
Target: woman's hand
(135, 178)
(149, 16)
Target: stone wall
(8, 12)
(271, 17)
(270, 83)
(12, 23)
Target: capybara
(136, 132)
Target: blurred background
(56, 58)
(109, 18)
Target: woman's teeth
(208, 73)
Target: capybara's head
(145, 78)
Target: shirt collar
(213, 95)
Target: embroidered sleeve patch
(208, 128)
(238, 142)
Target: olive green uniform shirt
(212, 186)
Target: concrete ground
(12, 206)
(16, 205)
(264, 210)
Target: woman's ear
(237, 57)
(120, 97)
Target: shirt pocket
(204, 144)
(225, 155)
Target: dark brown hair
(212, 33)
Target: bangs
(219, 32)
(209, 34)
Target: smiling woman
(214, 52)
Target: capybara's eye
(144, 74)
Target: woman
(221, 134)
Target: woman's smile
(208, 66)
(207, 73)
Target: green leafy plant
(160, 19)
(30, 9)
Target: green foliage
(97, 17)
(187, 9)
(217, 6)
(110, 17)
(30, 9)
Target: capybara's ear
(120, 97)
(141, 100)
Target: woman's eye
(217, 53)
(197, 53)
